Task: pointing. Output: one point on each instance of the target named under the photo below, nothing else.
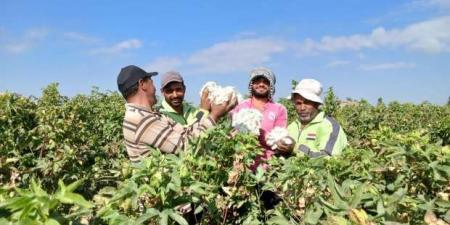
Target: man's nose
(302, 107)
(175, 93)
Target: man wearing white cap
(315, 134)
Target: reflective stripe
(333, 136)
(307, 151)
(330, 144)
(199, 115)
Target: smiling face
(260, 87)
(306, 109)
(174, 94)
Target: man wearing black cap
(173, 105)
(143, 127)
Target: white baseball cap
(309, 89)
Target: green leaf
(198, 209)
(51, 222)
(72, 198)
(313, 216)
(336, 193)
(337, 220)
(329, 205)
(149, 213)
(71, 187)
(164, 217)
(36, 189)
(357, 196)
(179, 219)
(259, 176)
(278, 219)
(380, 208)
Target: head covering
(266, 73)
(171, 76)
(309, 89)
(129, 76)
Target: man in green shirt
(315, 134)
(173, 104)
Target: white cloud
(75, 36)
(119, 47)
(338, 63)
(388, 66)
(236, 55)
(30, 39)
(163, 64)
(432, 36)
(223, 57)
(440, 4)
(444, 4)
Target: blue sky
(397, 50)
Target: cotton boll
(239, 97)
(276, 134)
(247, 120)
(217, 94)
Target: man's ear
(141, 84)
(319, 106)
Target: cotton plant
(247, 120)
(277, 134)
(218, 94)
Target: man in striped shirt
(144, 129)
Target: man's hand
(284, 148)
(217, 111)
(204, 101)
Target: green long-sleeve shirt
(323, 136)
(190, 114)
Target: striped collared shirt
(144, 129)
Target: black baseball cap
(130, 75)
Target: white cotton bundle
(217, 94)
(276, 134)
(239, 97)
(247, 120)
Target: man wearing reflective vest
(315, 134)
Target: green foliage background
(62, 161)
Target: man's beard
(260, 95)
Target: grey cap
(171, 76)
(263, 72)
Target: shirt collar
(319, 118)
(268, 103)
(133, 105)
(169, 108)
